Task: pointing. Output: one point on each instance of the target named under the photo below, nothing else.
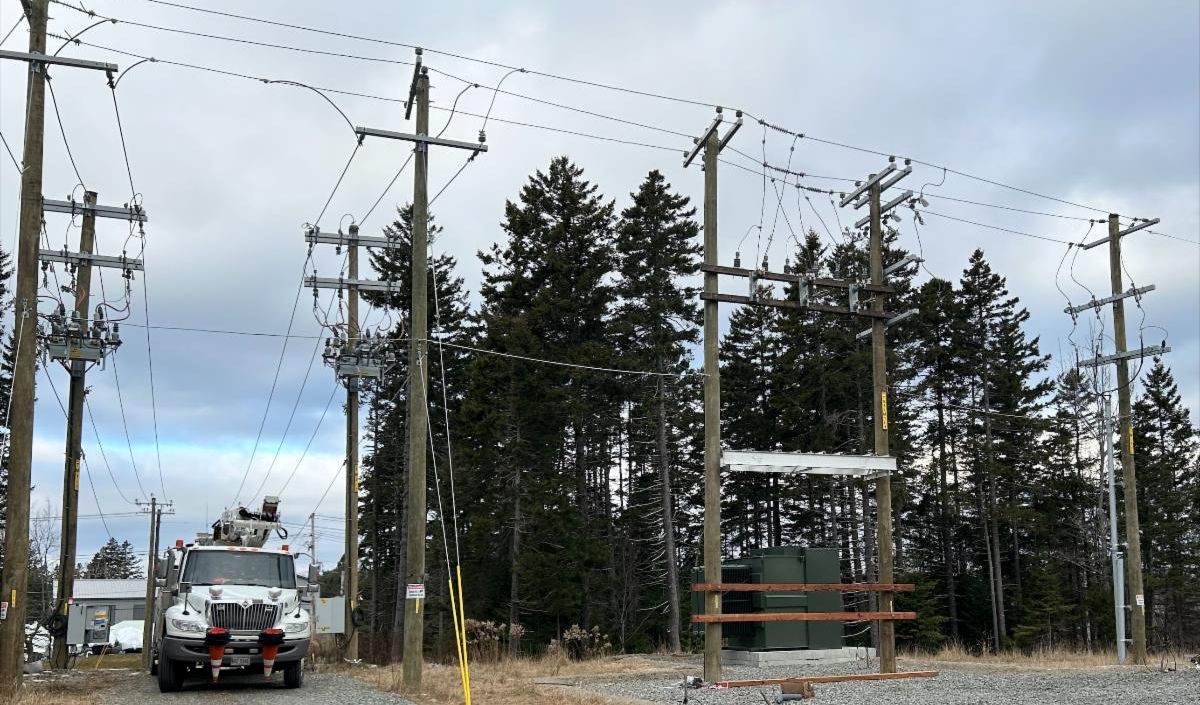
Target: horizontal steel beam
(885, 208)
(792, 278)
(794, 305)
(804, 587)
(803, 617)
(884, 186)
(899, 318)
(58, 60)
(687, 158)
(1097, 303)
(359, 284)
(1127, 355)
(867, 184)
(1131, 229)
(339, 238)
(420, 139)
(806, 463)
(50, 205)
(77, 258)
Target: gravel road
(956, 685)
(137, 688)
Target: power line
(86, 470)
(308, 445)
(103, 455)
(10, 154)
(153, 396)
(1047, 238)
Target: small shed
(100, 603)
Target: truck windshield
(240, 568)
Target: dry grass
(1050, 659)
(512, 682)
(108, 661)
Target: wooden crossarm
(827, 679)
(804, 587)
(803, 617)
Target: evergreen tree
(541, 431)
(114, 561)
(1165, 447)
(655, 319)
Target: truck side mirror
(160, 569)
(314, 575)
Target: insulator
(765, 265)
(737, 259)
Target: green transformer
(786, 564)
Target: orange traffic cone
(270, 639)
(216, 638)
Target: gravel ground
(956, 684)
(137, 688)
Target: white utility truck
(227, 603)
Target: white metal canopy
(868, 466)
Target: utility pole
(1114, 546)
(1121, 357)
(712, 144)
(350, 562)
(14, 580)
(155, 510)
(78, 343)
(418, 409)
(418, 405)
(78, 389)
(805, 284)
(883, 484)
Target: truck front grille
(237, 617)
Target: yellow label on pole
(76, 475)
(883, 407)
(1130, 441)
(12, 601)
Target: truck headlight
(187, 625)
(295, 627)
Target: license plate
(239, 660)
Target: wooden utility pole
(1133, 540)
(148, 614)
(1121, 357)
(712, 419)
(20, 415)
(350, 561)
(418, 407)
(883, 484)
(74, 454)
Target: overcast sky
(1096, 104)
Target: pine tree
(1002, 366)
(540, 432)
(1165, 446)
(655, 320)
(114, 561)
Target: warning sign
(416, 591)
(1140, 600)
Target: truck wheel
(171, 675)
(293, 674)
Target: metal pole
(883, 485)
(350, 560)
(74, 454)
(712, 420)
(1133, 543)
(20, 415)
(148, 617)
(418, 410)
(1114, 547)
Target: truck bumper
(194, 651)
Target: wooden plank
(786, 303)
(804, 587)
(803, 617)
(774, 276)
(827, 679)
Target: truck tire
(171, 675)
(293, 674)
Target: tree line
(566, 401)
